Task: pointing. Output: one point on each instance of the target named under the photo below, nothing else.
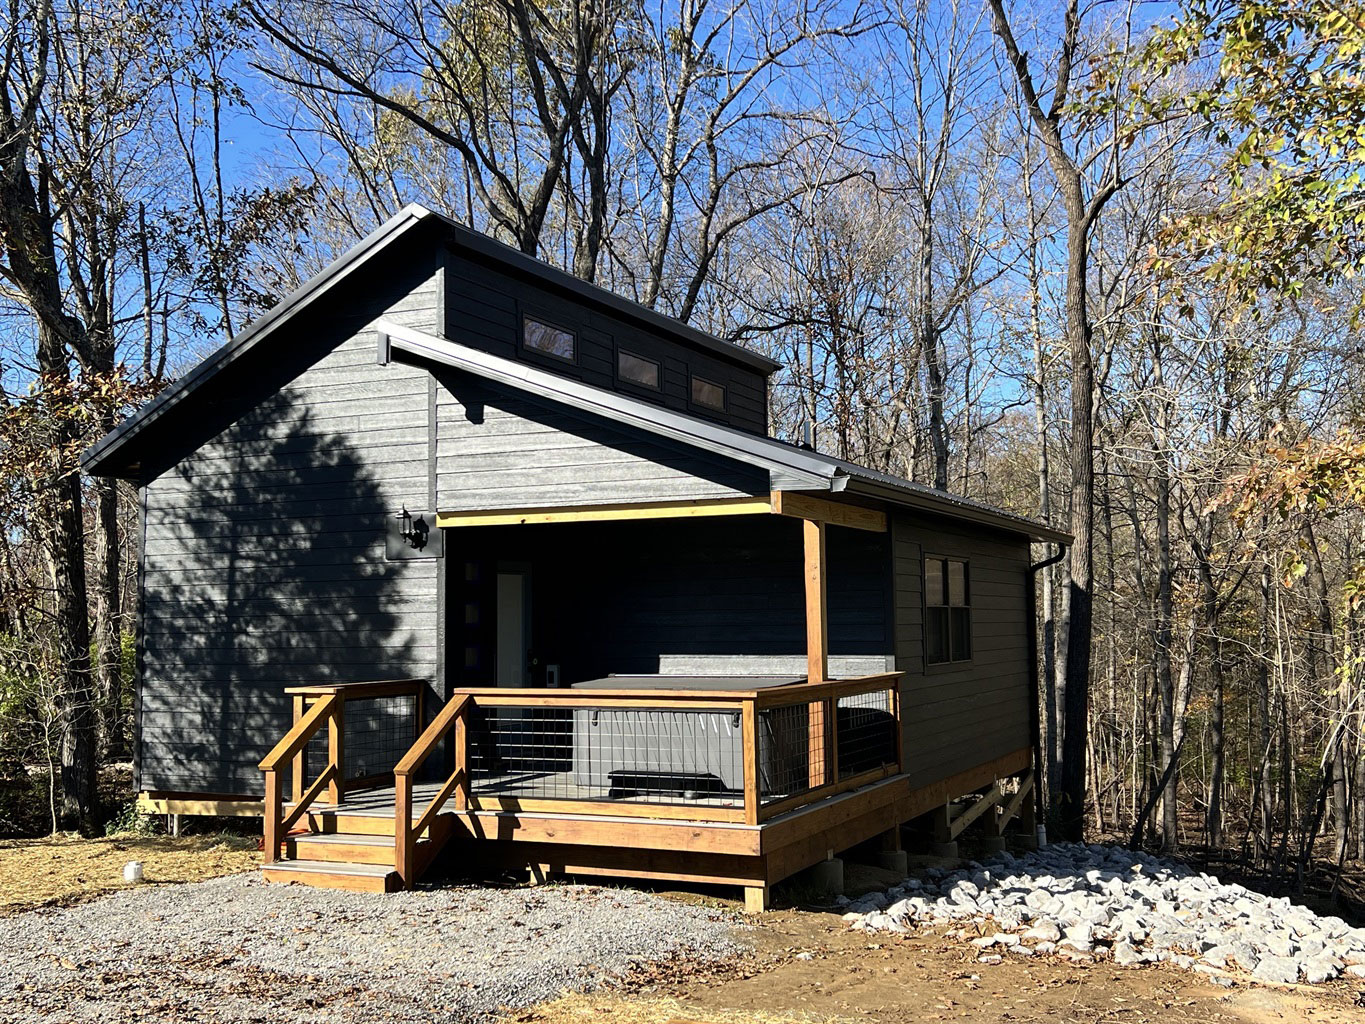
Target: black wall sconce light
(414, 531)
(409, 535)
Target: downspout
(1035, 705)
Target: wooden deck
(383, 837)
(548, 842)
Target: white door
(510, 660)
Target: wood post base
(755, 899)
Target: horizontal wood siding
(264, 562)
(678, 596)
(485, 309)
(958, 716)
(499, 449)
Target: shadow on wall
(576, 457)
(704, 596)
(265, 568)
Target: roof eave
(924, 501)
(803, 472)
(100, 458)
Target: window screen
(708, 393)
(947, 611)
(547, 339)
(637, 369)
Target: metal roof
(109, 454)
(790, 467)
(510, 259)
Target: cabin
(451, 554)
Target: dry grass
(66, 869)
(618, 1008)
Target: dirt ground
(807, 966)
(65, 869)
(924, 977)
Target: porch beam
(697, 508)
(836, 513)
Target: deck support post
(274, 811)
(817, 649)
(405, 841)
(755, 899)
(891, 853)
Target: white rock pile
(1087, 902)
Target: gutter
(1035, 701)
(943, 504)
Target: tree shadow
(265, 568)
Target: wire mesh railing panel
(866, 726)
(378, 732)
(637, 755)
(787, 749)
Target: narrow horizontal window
(708, 393)
(548, 339)
(637, 369)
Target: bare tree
(1083, 202)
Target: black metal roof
(790, 467)
(106, 455)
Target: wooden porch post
(817, 620)
(817, 647)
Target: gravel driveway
(236, 950)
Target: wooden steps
(332, 875)
(341, 848)
(352, 846)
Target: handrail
(405, 832)
(362, 689)
(797, 693)
(493, 696)
(823, 699)
(277, 826)
(297, 738)
(410, 823)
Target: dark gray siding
(711, 596)
(264, 556)
(956, 717)
(485, 309)
(499, 449)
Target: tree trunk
(107, 616)
(1164, 606)
(930, 346)
(1213, 818)
(65, 557)
(1076, 707)
(1266, 791)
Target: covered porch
(657, 681)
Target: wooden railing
(406, 831)
(316, 706)
(826, 772)
(290, 749)
(752, 709)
